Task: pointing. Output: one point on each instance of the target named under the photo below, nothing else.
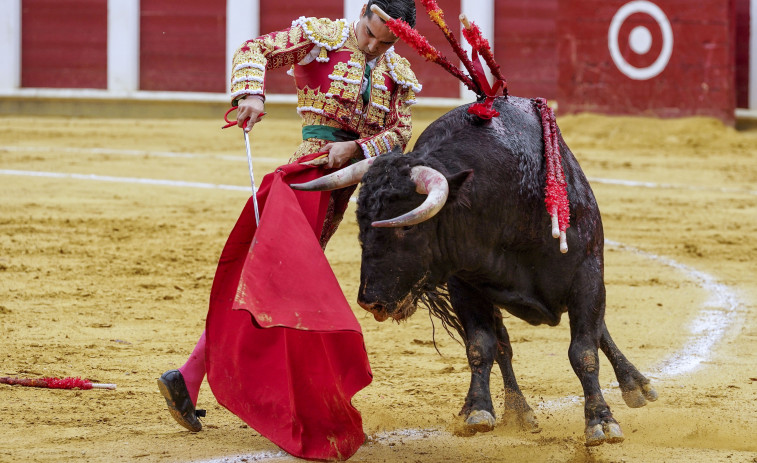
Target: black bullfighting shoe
(173, 388)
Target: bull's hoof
(607, 431)
(480, 421)
(649, 392)
(636, 398)
(528, 421)
(525, 420)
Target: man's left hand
(340, 153)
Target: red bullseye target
(640, 40)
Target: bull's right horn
(427, 181)
(348, 176)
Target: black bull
(488, 248)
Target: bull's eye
(407, 228)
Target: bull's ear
(459, 186)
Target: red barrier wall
(697, 79)
(183, 45)
(277, 14)
(742, 53)
(525, 45)
(64, 43)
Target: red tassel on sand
(56, 383)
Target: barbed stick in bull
(56, 383)
(556, 195)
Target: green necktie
(367, 92)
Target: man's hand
(250, 108)
(340, 153)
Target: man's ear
(362, 12)
(459, 187)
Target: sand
(109, 280)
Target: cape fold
(284, 351)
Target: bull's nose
(378, 310)
(380, 316)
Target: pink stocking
(194, 370)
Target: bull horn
(350, 175)
(427, 181)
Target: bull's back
(507, 157)
(505, 153)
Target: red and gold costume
(329, 69)
(284, 351)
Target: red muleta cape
(284, 351)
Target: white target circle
(640, 6)
(640, 40)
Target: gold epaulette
(399, 69)
(327, 33)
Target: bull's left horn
(348, 176)
(427, 181)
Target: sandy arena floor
(106, 275)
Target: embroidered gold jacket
(328, 69)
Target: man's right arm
(278, 49)
(270, 51)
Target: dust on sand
(110, 280)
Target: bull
(476, 240)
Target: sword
(252, 177)
(249, 155)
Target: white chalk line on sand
(138, 180)
(260, 456)
(179, 183)
(241, 159)
(393, 437)
(138, 153)
(669, 186)
(719, 312)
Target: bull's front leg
(476, 316)
(586, 309)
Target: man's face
(373, 37)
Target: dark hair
(397, 9)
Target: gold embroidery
(399, 69)
(295, 35)
(325, 32)
(345, 81)
(341, 105)
(331, 106)
(309, 99)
